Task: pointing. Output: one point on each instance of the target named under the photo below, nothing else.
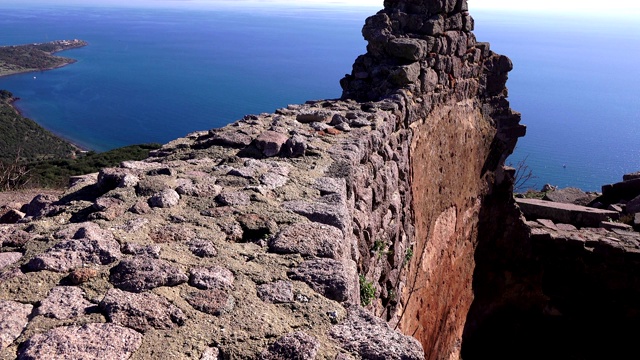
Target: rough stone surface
(69, 254)
(211, 278)
(310, 239)
(165, 199)
(334, 279)
(565, 213)
(566, 195)
(215, 302)
(144, 273)
(64, 302)
(372, 338)
(141, 312)
(13, 319)
(91, 341)
(294, 346)
(276, 292)
(8, 258)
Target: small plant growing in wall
(367, 291)
(408, 254)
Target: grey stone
(294, 346)
(214, 302)
(88, 342)
(9, 258)
(215, 277)
(272, 180)
(276, 292)
(372, 338)
(633, 206)
(295, 146)
(334, 279)
(565, 213)
(11, 236)
(233, 198)
(325, 213)
(69, 254)
(142, 311)
(14, 317)
(111, 178)
(270, 142)
(212, 353)
(202, 248)
(315, 116)
(407, 48)
(610, 225)
(137, 249)
(64, 302)
(567, 195)
(165, 199)
(40, 205)
(144, 273)
(310, 239)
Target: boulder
(9, 258)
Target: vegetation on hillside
(30, 57)
(31, 156)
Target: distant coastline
(19, 59)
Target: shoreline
(26, 71)
(11, 102)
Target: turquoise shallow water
(157, 74)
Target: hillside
(35, 57)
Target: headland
(17, 59)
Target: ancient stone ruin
(377, 226)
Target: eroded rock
(145, 273)
(142, 311)
(14, 317)
(294, 346)
(64, 302)
(91, 341)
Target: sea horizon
(153, 75)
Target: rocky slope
(264, 238)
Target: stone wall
(263, 239)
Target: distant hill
(25, 138)
(35, 57)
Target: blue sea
(155, 74)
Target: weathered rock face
(459, 128)
(279, 219)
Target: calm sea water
(157, 74)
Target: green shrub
(367, 291)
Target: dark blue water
(157, 74)
(154, 75)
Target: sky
(595, 7)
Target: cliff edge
(266, 238)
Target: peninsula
(18, 59)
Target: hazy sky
(625, 8)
